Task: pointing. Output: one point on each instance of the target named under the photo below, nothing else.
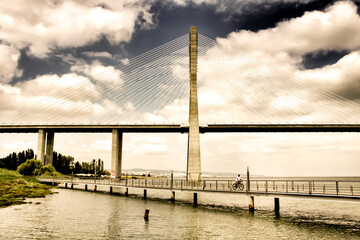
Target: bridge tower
(193, 171)
(45, 147)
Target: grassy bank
(14, 188)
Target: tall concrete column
(41, 146)
(193, 172)
(116, 153)
(49, 148)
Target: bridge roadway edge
(177, 128)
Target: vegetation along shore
(14, 188)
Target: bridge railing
(301, 187)
(310, 187)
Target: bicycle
(238, 185)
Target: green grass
(14, 188)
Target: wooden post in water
(251, 204)
(172, 196)
(172, 180)
(195, 199)
(146, 214)
(277, 205)
(247, 179)
(111, 189)
(145, 193)
(337, 188)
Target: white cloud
(101, 145)
(18, 146)
(343, 77)
(46, 25)
(338, 28)
(98, 72)
(55, 99)
(125, 61)
(9, 57)
(97, 54)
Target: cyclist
(238, 179)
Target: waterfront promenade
(320, 188)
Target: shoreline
(16, 189)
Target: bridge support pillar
(193, 171)
(116, 153)
(49, 148)
(45, 147)
(40, 155)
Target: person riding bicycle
(238, 183)
(238, 179)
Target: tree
(30, 167)
(29, 154)
(78, 167)
(21, 158)
(47, 170)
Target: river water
(74, 214)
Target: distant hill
(158, 172)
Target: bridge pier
(49, 148)
(40, 155)
(116, 153)
(45, 147)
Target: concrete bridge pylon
(193, 171)
(45, 147)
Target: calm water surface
(72, 214)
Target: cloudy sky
(289, 61)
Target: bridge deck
(330, 189)
(177, 128)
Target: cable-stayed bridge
(228, 91)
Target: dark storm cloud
(321, 59)
(215, 20)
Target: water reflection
(75, 214)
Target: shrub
(47, 170)
(30, 167)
